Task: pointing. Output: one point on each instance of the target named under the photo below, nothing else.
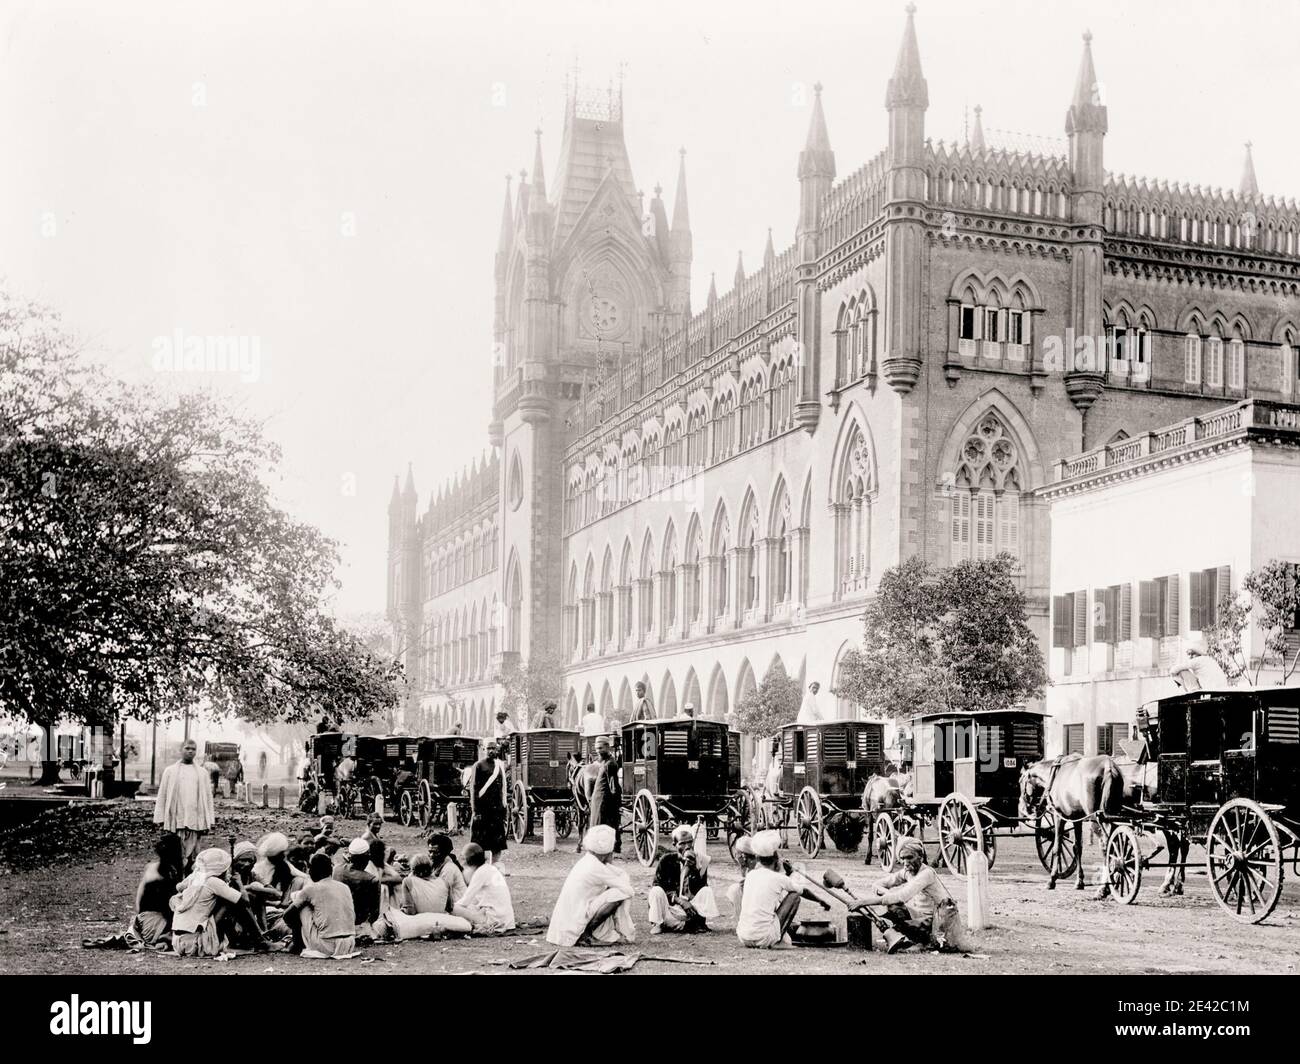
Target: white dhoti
(734, 893)
(671, 917)
(618, 926)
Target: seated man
(681, 898)
(769, 902)
(422, 891)
(263, 899)
(208, 909)
(486, 903)
(1197, 671)
(910, 894)
(321, 915)
(363, 886)
(747, 861)
(593, 903)
(546, 718)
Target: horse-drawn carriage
(440, 761)
(229, 767)
(966, 784)
(324, 751)
(824, 771)
(1228, 779)
(681, 770)
(540, 761)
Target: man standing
(184, 804)
(641, 708)
(681, 898)
(593, 904)
(546, 718)
(487, 804)
(604, 793)
(592, 722)
(810, 712)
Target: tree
(527, 686)
(144, 566)
(1270, 596)
(772, 703)
(383, 640)
(943, 640)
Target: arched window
(514, 607)
(986, 494)
(571, 601)
(669, 595)
(589, 604)
(695, 586)
(607, 599)
(750, 545)
(1288, 368)
(721, 567)
(853, 516)
(625, 578)
(647, 588)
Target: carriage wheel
(425, 804)
(1124, 863)
(645, 827)
(521, 817)
(990, 844)
(961, 832)
(1060, 863)
(812, 822)
(886, 842)
(406, 808)
(739, 822)
(1243, 856)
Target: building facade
(685, 496)
(1217, 495)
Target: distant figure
(546, 718)
(641, 708)
(772, 783)
(688, 710)
(488, 803)
(504, 726)
(261, 765)
(184, 804)
(1198, 671)
(810, 712)
(455, 728)
(604, 794)
(323, 725)
(592, 722)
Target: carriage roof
(544, 731)
(656, 722)
(980, 716)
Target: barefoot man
(184, 803)
(593, 904)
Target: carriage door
(944, 744)
(963, 757)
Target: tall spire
(1086, 114)
(681, 212)
(409, 489)
(539, 175)
(740, 270)
(507, 224)
(907, 87)
(977, 136)
(1248, 186)
(817, 159)
(769, 255)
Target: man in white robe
(810, 712)
(641, 707)
(592, 722)
(593, 906)
(1197, 671)
(184, 804)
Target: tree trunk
(49, 774)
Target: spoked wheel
(406, 808)
(645, 827)
(426, 804)
(521, 818)
(812, 822)
(961, 832)
(1058, 861)
(757, 817)
(990, 844)
(564, 816)
(1243, 856)
(1124, 863)
(885, 843)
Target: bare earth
(45, 914)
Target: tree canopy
(938, 639)
(1270, 596)
(144, 565)
(772, 703)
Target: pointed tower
(1248, 186)
(393, 597)
(816, 175)
(977, 134)
(1085, 125)
(907, 99)
(680, 248)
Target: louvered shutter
(961, 526)
(1125, 612)
(1222, 590)
(1062, 621)
(1147, 609)
(984, 546)
(1171, 606)
(1009, 525)
(1194, 589)
(1080, 619)
(1192, 368)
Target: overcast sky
(327, 177)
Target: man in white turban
(681, 898)
(593, 904)
(809, 711)
(769, 903)
(1197, 671)
(184, 803)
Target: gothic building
(685, 495)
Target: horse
(1142, 782)
(883, 793)
(582, 779)
(1075, 788)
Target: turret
(907, 99)
(1248, 186)
(680, 247)
(977, 134)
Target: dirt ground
(46, 912)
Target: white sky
(376, 348)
